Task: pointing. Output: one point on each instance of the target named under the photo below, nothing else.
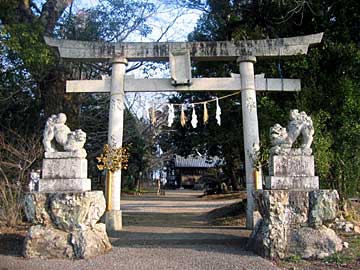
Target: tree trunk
(54, 98)
(52, 87)
(53, 90)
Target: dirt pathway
(178, 218)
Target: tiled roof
(196, 162)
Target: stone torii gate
(180, 55)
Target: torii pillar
(250, 130)
(113, 214)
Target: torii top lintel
(205, 51)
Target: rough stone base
(65, 225)
(323, 206)
(49, 242)
(89, 243)
(310, 243)
(292, 224)
(65, 211)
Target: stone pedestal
(294, 212)
(63, 172)
(291, 172)
(65, 225)
(65, 212)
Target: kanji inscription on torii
(179, 55)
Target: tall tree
(24, 24)
(32, 77)
(329, 73)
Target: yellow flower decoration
(113, 159)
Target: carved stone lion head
(278, 134)
(76, 140)
(79, 135)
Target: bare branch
(34, 6)
(51, 12)
(199, 5)
(171, 24)
(10, 96)
(136, 66)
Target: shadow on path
(11, 244)
(213, 242)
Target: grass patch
(349, 255)
(225, 196)
(338, 259)
(294, 258)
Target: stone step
(291, 165)
(64, 168)
(292, 182)
(65, 185)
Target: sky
(183, 26)
(178, 32)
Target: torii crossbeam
(179, 54)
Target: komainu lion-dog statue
(58, 134)
(283, 139)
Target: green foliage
(32, 80)
(323, 141)
(24, 62)
(295, 258)
(110, 20)
(138, 149)
(337, 258)
(329, 73)
(25, 42)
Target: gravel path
(168, 232)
